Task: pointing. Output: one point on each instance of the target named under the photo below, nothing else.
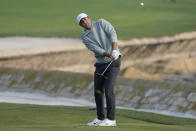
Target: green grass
(46, 18)
(21, 117)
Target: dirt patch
(148, 58)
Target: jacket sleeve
(96, 49)
(109, 29)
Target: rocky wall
(134, 93)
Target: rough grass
(21, 117)
(58, 17)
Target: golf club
(102, 74)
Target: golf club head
(102, 75)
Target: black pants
(102, 85)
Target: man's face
(86, 23)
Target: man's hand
(115, 53)
(110, 55)
(113, 57)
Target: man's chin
(88, 28)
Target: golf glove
(116, 54)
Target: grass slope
(58, 17)
(21, 117)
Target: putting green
(21, 117)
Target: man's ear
(80, 24)
(89, 17)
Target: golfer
(100, 37)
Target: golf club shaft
(107, 67)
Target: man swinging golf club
(100, 37)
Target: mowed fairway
(21, 117)
(57, 18)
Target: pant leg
(109, 83)
(99, 91)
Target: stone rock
(38, 78)
(6, 77)
(155, 99)
(135, 99)
(192, 97)
(157, 92)
(50, 87)
(165, 100)
(160, 106)
(178, 94)
(173, 108)
(146, 106)
(181, 102)
(178, 101)
(190, 106)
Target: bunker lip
(40, 99)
